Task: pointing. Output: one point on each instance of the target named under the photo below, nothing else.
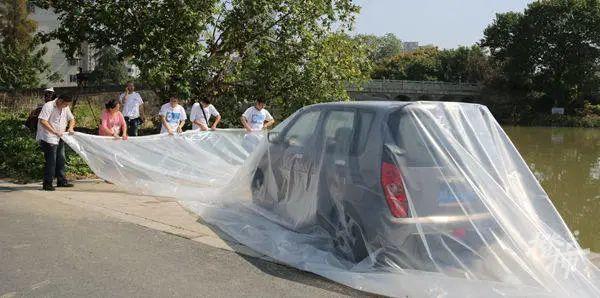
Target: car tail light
(459, 233)
(393, 187)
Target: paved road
(49, 248)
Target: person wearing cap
(49, 94)
(52, 124)
(133, 109)
(32, 118)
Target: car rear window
(405, 135)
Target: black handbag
(204, 114)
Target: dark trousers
(55, 162)
(133, 125)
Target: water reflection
(566, 161)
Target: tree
(21, 56)
(240, 50)
(109, 68)
(381, 47)
(420, 65)
(464, 64)
(551, 51)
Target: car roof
(383, 104)
(373, 104)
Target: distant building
(67, 69)
(410, 46)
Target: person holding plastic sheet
(32, 119)
(52, 123)
(133, 109)
(201, 114)
(172, 116)
(113, 122)
(256, 117)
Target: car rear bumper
(441, 224)
(443, 219)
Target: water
(566, 161)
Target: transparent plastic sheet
(175, 166)
(424, 199)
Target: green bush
(20, 156)
(590, 109)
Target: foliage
(21, 157)
(590, 109)
(21, 63)
(109, 68)
(420, 65)
(381, 47)
(227, 50)
(14, 24)
(88, 115)
(551, 50)
(21, 68)
(329, 65)
(465, 64)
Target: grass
(21, 158)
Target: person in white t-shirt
(172, 116)
(256, 118)
(52, 124)
(133, 109)
(200, 117)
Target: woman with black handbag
(201, 114)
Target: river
(566, 161)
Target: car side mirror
(273, 137)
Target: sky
(444, 23)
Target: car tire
(394, 260)
(348, 238)
(257, 185)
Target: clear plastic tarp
(417, 199)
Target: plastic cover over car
(435, 202)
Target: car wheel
(257, 186)
(348, 239)
(395, 260)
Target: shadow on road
(6, 189)
(284, 271)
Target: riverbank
(546, 120)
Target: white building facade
(67, 69)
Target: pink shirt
(112, 123)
